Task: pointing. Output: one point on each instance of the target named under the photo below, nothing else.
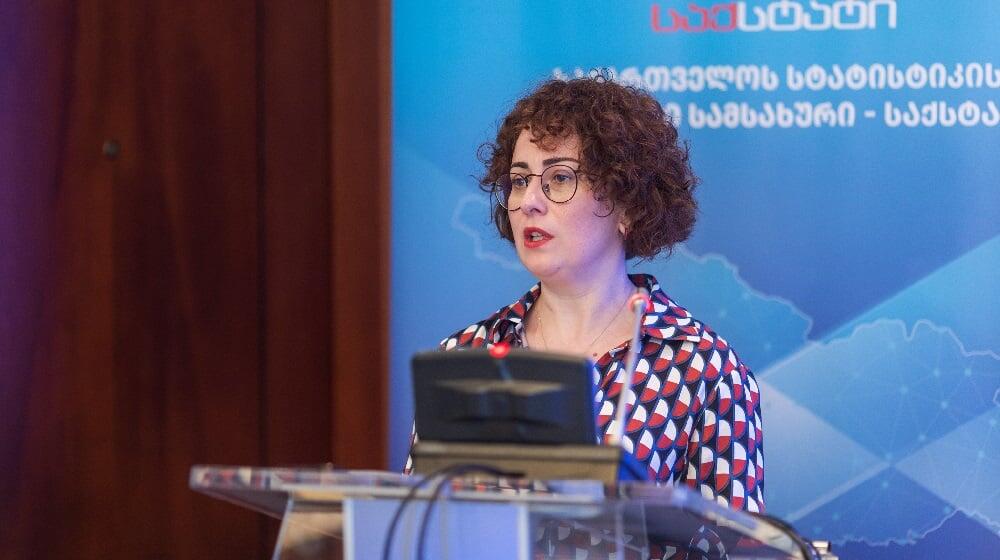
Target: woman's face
(561, 241)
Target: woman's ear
(623, 224)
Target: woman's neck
(577, 316)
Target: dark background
(193, 262)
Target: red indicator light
(500, 350)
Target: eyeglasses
(559, 184)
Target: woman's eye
(518, 182)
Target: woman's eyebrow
(546, 163)
(555, 160)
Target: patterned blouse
(694, 408)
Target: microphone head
(641, 297)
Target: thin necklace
(545, 343)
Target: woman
(588, 173)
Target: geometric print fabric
(693, 413)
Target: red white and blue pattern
(694, 408)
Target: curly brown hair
(628, 145)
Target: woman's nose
(534, 199)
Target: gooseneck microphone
(639, 303)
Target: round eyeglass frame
(498, 189)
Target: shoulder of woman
(473, 336)
(497, 326)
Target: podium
(329, 513)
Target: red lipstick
(535, 237)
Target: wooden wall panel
(141, 366)
(186, 270)
(296, 232)
(34, 65)
(60, 416)
(192, 295)
(360, 106)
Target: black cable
(394, 523)
(456, 470)
(807, 549)
(387, 544)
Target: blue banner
(848, 243)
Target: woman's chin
(541, 268)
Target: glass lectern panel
(369, 515)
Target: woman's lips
(535, 237)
